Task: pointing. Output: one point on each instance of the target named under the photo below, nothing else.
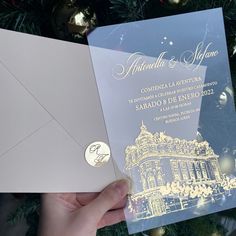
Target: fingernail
(122, 186)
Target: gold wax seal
(97, 154)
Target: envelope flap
(21, 115)
(50, 161)
(60, 76)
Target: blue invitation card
(167, 98)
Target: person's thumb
(109, 197)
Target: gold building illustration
(171, 174)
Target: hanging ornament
(174, 4)
(178, 2)
(227, 161)
(158, 232)
(225, 97)
(72, 19)
(234, 50)
(232, 46)
(216, 234)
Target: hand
(81, 214)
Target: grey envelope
(49, 113)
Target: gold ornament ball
(225, 97)
(227, 164)
(232, 46)
(216, 234)
(72, 20)
(158, 232)
(178, 2)
(174, 4)
(81, 22)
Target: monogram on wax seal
(97, 154)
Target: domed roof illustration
(160, 143)
(144, 135)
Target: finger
(108, 198)
(120, 204)
(111, 218)
(85, 198)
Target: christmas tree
(71, 20)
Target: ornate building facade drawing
(171, 174)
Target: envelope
(49, 113)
